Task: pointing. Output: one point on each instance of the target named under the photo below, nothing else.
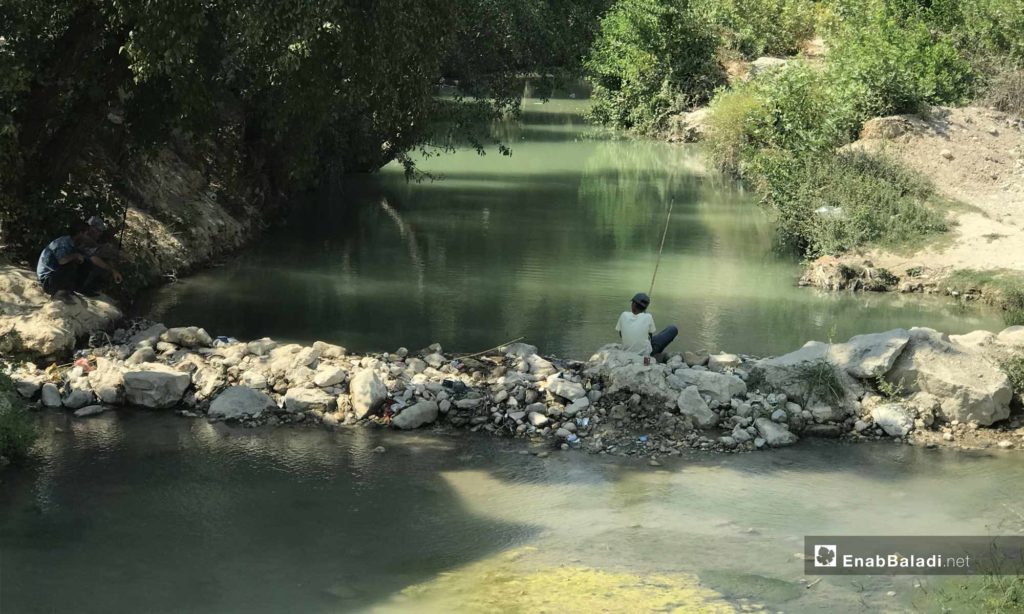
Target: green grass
(999, 287)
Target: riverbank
(975, 158)
(918, 386)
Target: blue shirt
(49, 259)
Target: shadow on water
(215, 519)
(138, 511)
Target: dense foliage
(651, 59)
(17, 428)
(299, 89)
(762, 27)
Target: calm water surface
(148, 512)
(549, 243)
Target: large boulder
(155, 386)
(691, 404)
(239, 402)
(33, 323)
(721, 387)
(415, 416)
(869, 356)
(298, 400)
(808, 374)
(970, 387)
(366, 392)
(775, 435)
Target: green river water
(137, 511)
(549, 244)
(142, 512)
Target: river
(548, 244)
(146, 512)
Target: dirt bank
(975, 157)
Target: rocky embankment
(914, 385)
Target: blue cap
(642, 300)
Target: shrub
(762, 27)
(1013, 306)
(829, 204)
(1014, 369)
(17, 428)
(787, 113)
(651, 59)
(885, 61)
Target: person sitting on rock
(637, 331)
(69, 263)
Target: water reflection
(548, 243)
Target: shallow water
(147, 512)
(548, 244)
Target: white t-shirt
(636, 330)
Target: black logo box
(917, 555)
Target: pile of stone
(890, 384)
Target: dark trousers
(661, 339)
(84, 277)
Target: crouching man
(69, 264)
(637, 331)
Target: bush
(762, 27)
(788, 113)
(17, 428)
(834, 202)
(1013, 306)
(651, 59)
(885, 61)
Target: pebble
(380, 449)
(653, 463)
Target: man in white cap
(637, 331)
(69, 263)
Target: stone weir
(916, 386)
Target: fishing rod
(124, 226)
(664, 234)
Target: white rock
(721, 387)
(566, 389)
(187, 336)
(434, 360)
(298, 400)
(774, 434)
(971, 388)
(537, 419)
(415, 416)
(691, 404)
(107, 382)
(328, 375)
(253, 379)
(155, 386)
(238, 402)
(27, 387)
(893, 418)
(367, 392)
(779, 415)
